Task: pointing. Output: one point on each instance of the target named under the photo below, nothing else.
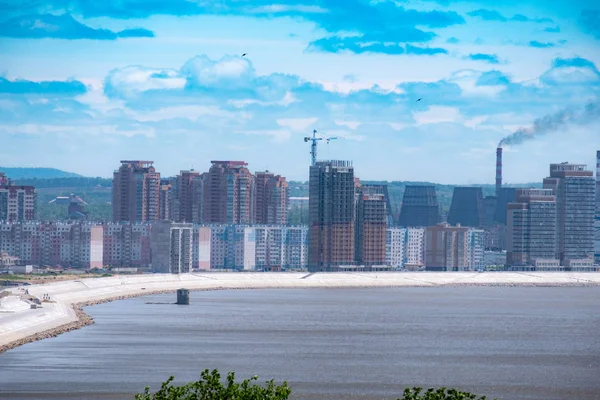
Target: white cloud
(287, 99)
(350, 124)
(282, 8)
(277, 135)
(191, 113)
(437, 114)
(345, 135)
(467, 81)
(131, 80)
(95, 130)
(228, 72)
(297, 124)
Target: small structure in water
(183, 296)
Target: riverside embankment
(20, 325)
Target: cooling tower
(420, 207)
(467, 207)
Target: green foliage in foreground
(210, 387)
(439, 394)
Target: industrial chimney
(498, 171)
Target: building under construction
(466, 208)
(420, 207)
(371, 223)
(331, 215)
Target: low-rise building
(454, 248)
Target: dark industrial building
(420, 207)
(467, 207)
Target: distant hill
(36, 173)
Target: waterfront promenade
(19, 324)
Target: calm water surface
(509, 343)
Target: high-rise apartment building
(136, 187)
(574, 188)
(420, 207)
(166, 200)
(466, 208)
(371, 223)
(229, 196)
(17, 203)
(453, 248)
(531, 229)
(331, 215)
(189, 196)
(271, 199)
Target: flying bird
(418, 100)
(244, 55)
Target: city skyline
(125, 81)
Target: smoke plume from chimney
(554, 122)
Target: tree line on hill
(97, 192)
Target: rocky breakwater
(83, 319)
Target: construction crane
(313, 146)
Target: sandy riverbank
(64, 313)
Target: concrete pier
(183, 297)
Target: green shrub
(209, 387)
(439, 394)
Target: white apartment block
(63, 244)
(395, 246)
(201, 247)
(476, 249)
(295, 246)
(127, 244)
(232, 247)
(415, 247)
(270, 249)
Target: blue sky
(84, 84)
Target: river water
(506, 342)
